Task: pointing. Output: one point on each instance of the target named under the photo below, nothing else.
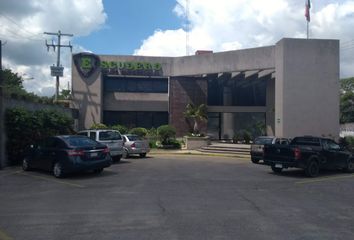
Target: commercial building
(289, 89)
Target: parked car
(67, 154)
(309, 153)
(133, 144)
(258, 146)
(111, 138)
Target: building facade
(289, 89)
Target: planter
(196, 142)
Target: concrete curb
(194, 152)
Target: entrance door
(214, 125)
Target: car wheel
(25, 165)
(277, 170)
(350, 166)
(312, 169)
(117, 158)
(98, 170)
(142, 155)
(254, 160)
(58, 170)
(125, 154)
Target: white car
(111, 138)
(133, 144)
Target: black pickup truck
(309, 153)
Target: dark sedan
(67, 154)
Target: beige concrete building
(289, 89)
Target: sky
(158, 28)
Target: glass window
(242, 91)
(132, 84)
(109, 135)
(135, 119)
(93, 135)
(80, 141)
(133, 137)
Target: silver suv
(111, 138)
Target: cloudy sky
(158, 27)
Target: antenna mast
(187, 27)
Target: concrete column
(270, 105)
(307, 87)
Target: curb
(193, 152)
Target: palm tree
(197, 113)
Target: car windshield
(80, 142)
(263, 141)
(109, 135)
(134, 137)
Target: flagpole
(307, 23)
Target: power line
(19, 26)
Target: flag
(307, 10)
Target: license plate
(93, 154)
(278, 165)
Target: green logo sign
(88, 63)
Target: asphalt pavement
(184, 196)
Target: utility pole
(2, 132)
(58, 70)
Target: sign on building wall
(88, 63)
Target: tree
(12, 83)
(197, 114)
(347, 100)
(347, 107)
(347, 84)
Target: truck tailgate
(278, 153)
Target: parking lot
(177, 197)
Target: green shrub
(166, 133)
(24, 127)
(98, 126)
(152, 144)
(122, 129)
(141, 132)
(247, 137)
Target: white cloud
(22, 24)
(228, 25)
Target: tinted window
(238, 91)
(135, 119)
(93, 135)
(308, 141)
(132, 84)
(82, 134)
(134, 138)
(263, 141)
(80, 142)
(109, 135)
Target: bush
(98, 126)
(122, 129)
(166, 133)
(141, 132)
(242, 136)
(24, 127)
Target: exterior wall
(87, 98)
(184, 90)
(231, 61)
(307, 87)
